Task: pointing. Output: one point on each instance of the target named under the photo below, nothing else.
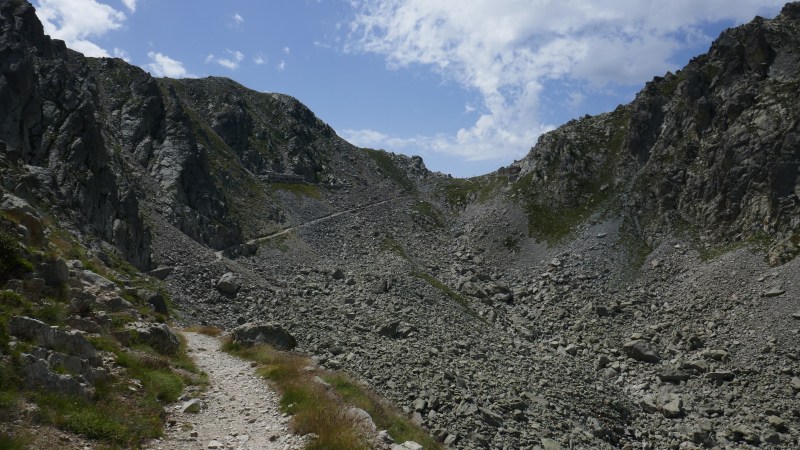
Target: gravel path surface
(239, 410)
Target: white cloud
(232, 61)
(130, 4)
(122, 54)
(238, 19)
(286, 50)
(281, 65)
(508, 50)
(259, 59)
(164, 66)
(75, 21)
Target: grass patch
(390, 245)
(387, 166)
(458, 190)
(207, 330)
(400, 428)
(117, 418)
(299, 189)
(428, 214)
(12, 261)
(14, 442)
(460, 299)
(312, 407)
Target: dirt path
(240, 410)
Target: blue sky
(467, 84)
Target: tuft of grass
(389, 244)
(428, 213)
(116, 418)
(460, 299)
(14, 442)
(207, 330)
(299, 189)
(313, 408)
(400, 428)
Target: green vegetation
(299, 189)
(114, 417)
(12, 261)
(387, 166)
(12, 442)
(458, 190)
(428, 214)
(460, 299)
(585, 166)
(389, 244)
(385, 417)
(313, 410)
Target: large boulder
(264, 333)
(641, 350)
(69, 342)
(56, 273)
(228, 284)
(157, 336)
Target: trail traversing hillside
(238, 411)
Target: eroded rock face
(48, 121)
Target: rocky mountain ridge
(614, 293)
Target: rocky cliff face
(48, 112)
(714, 145)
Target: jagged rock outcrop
(48, 122)
(714, 145)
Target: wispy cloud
(281, 65)
(130, 4)
(508, 50)
(287, 50)
(259, 59)
(232, 61)
(78, 21)
(163, 66)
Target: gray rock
(773, 292)
(157, 336)
(641, 350)
(70, 342)
(673, 376)
(158, 302)
(56, 272)
(161, 272)
(264, 333)
(363, 420)
(721, 375)
(551, 444)
(36, 373)
(408, 445)
(228, 284)
(669, 405)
